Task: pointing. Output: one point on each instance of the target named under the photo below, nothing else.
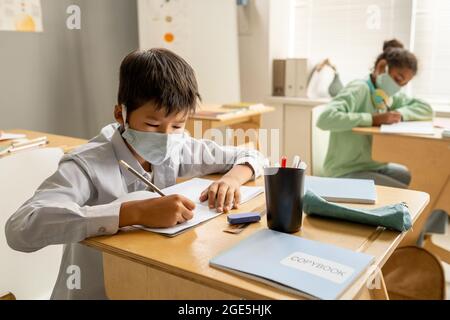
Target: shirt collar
(123, 153)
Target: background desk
(245, 120)
(55, 141)
(143, 265)
(427, 158)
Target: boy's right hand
(386, 118)
(161, 212)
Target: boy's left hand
(224, 194)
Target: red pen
(283, 162)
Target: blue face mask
(152, 146)
(387, 84)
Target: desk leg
(442, 253)
(130, 280)
(380, 293)
(428, 161)
(443, 202)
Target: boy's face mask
(386, 83)
(153, 147)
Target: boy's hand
(223, 194)
(162, 212)
(386, 118)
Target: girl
(372, 102)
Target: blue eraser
(240, 218)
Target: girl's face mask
(153, 147)
(386, 83)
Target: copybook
(293, 264)
(191, 189)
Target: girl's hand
(223, 194)
(386, 118)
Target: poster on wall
(21, 15)
(204, 33)
(167, 25)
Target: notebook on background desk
(191, 189)
(342, 190)
(10, 136)
(442, 123)
(411, 127)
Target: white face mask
(152, 146)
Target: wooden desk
(55, 141)
(143, 265)
(245, 120)
(427, 158)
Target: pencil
(142, 178)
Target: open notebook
(412, 127)
(190, 189)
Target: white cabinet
(297, 132)
(293, 117)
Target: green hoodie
(353, 107)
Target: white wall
(254, 49)
(263, 36)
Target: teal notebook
(297, 265)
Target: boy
(157, 92)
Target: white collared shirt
(76, 202)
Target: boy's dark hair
(397, 56)
(158, 76)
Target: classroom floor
(444, 241)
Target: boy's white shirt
(76, 202)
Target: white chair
(319, 143)
(26, 275)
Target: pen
(142, 178)
(296, 162)
(302, 166)
(283, 162)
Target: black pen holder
(284, 198)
